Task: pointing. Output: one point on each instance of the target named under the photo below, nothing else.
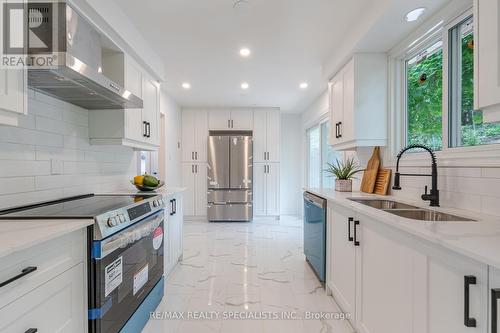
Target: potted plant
(344, 173)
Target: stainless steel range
(125, 254)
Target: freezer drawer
(230, 196)
(230, 212)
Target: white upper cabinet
(151, 110)
(266, 135)
(219, 119)
(13, 89)
(13, 95)
(241, 119)
(487, 58)
(194, 135)
(136, 128)
(358, 103)
(230, 119)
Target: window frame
(436, 28)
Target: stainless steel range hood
(78, 74)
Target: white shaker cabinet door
(260, 135)
(273, 189)
(341, 257)
(188, 181)
(384, 280)
(201, 190)
(450, 277)
(242, 119)
(201, 136)
(56, 306)
(273, 135)
(219, 119)
(259, 189)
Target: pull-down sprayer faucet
(433, 197)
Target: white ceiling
(290, 40)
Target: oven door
(124, 268)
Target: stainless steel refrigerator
(230, 177)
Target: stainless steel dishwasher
(315, 233)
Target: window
(320, 153)
(424, 97)
(313, 138)
(466, 127)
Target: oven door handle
(131, 235)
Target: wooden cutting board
(371, 171)
(383, 181)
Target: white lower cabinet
(52, 294)
(455, 285)
(391, 282)
(194, 179)
(56, 306)
(494, 297)
(266, 178)
(173, 231)
(341, 258)
(384, 279)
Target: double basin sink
(410, 212)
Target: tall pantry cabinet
(265, 124)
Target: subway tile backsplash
(475, 189)
(49, 156)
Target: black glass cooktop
(86, 206)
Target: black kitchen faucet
(433, 197)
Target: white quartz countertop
(18, 235)
(478, 240)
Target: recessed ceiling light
(245, 86)
(245, 52)
(304, 85)
(186, 85)
(414, 14)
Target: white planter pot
(343, 185)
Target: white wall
(291, 165)
(172, 133)
(49, 156)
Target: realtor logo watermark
(29, 35)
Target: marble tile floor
(245, 270)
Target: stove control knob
(122, 218)
(112, 222)
(161, 202)
(155, 203)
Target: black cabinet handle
(192, 155)
(145, 129)
(175, 206)
(149, 129)
(24, 272)
(336, 130)
(468, 281)
(495, 296)
(171, 207)
(196, 155)
(356, 242)
(349, 236)
(32, 330)
(340, 129)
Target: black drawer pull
(495, 296)
(356, 242)
(32, 330)
(349, 236)
(468, 281)
(24, 272)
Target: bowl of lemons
(146, 183)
